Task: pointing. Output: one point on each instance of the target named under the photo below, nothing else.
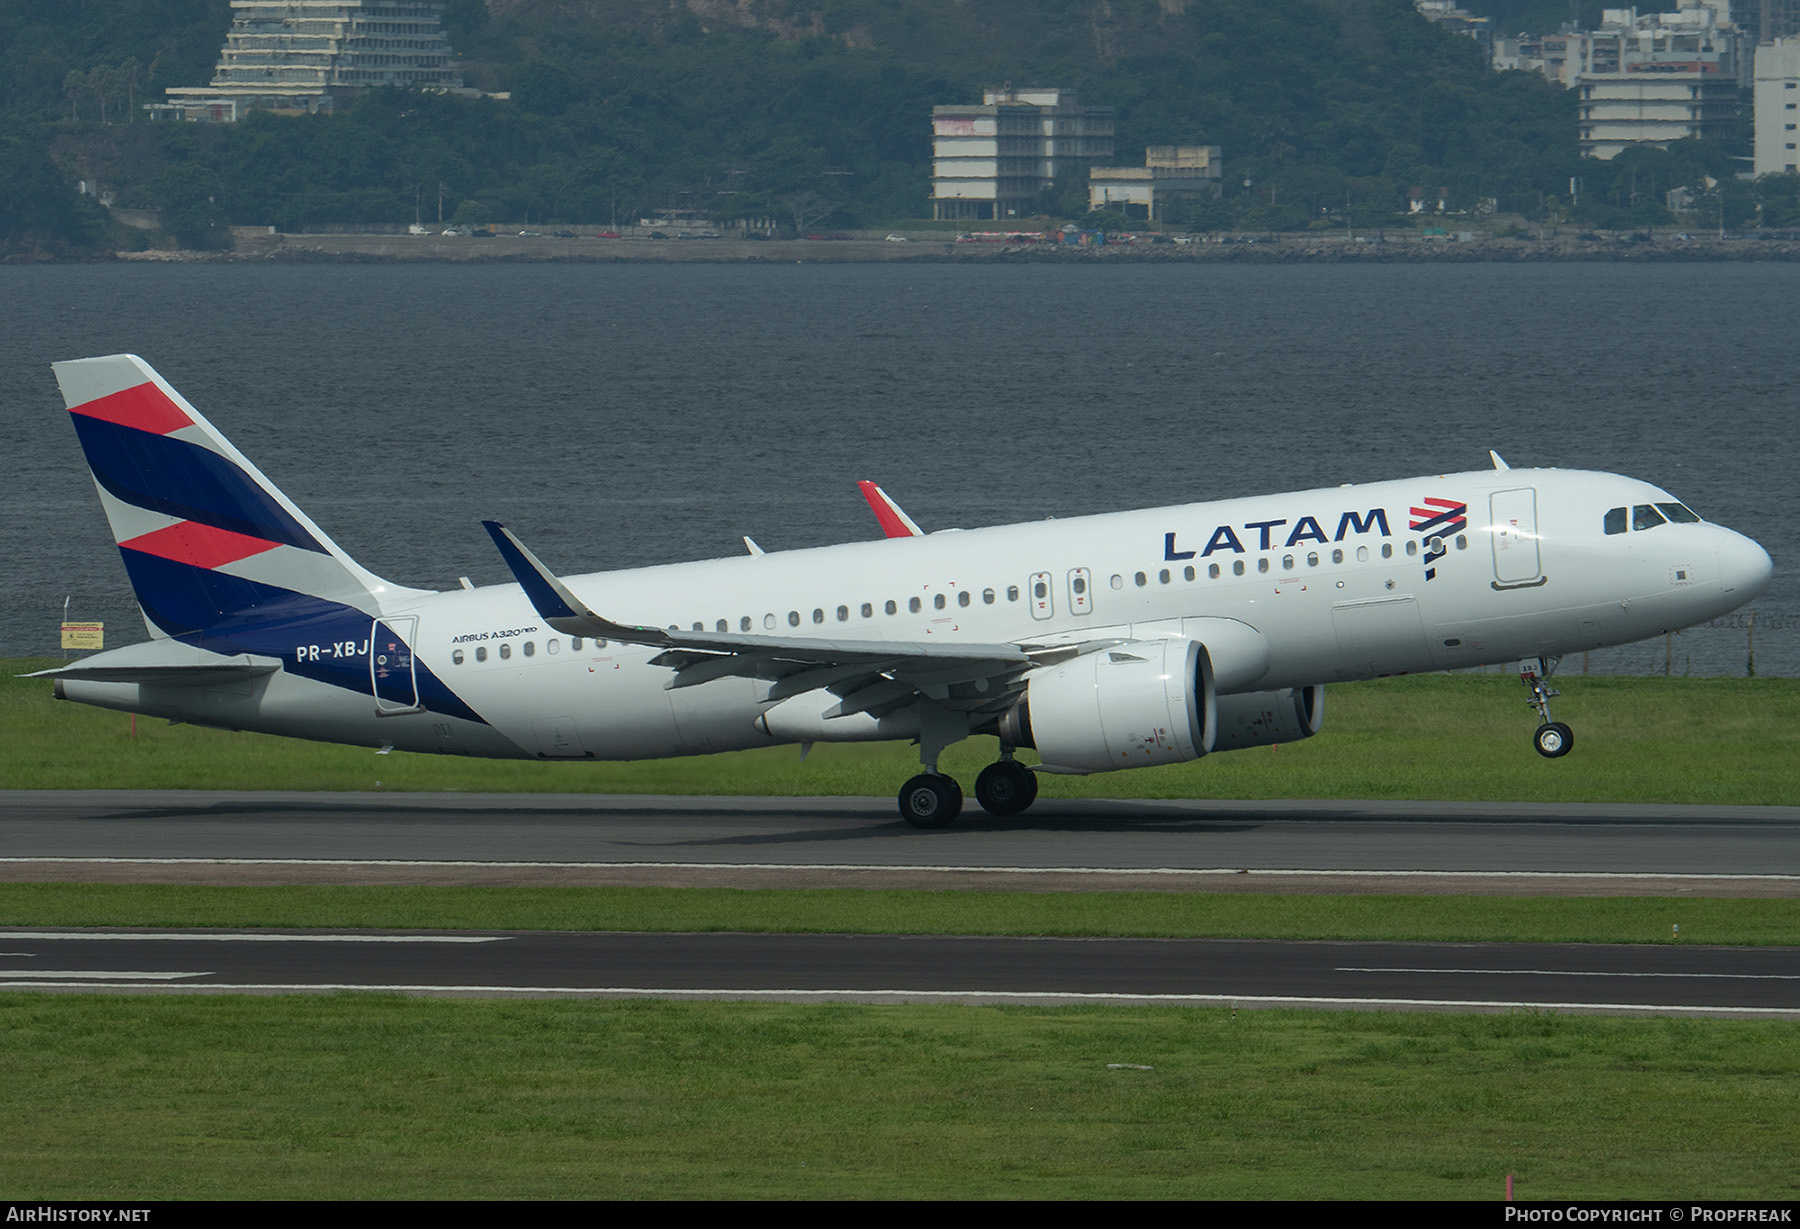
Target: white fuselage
(1336, 584)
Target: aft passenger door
(391, 675)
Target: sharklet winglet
(554, 602)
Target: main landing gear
(1553, 739)
(934, 799)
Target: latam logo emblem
(1437, 519)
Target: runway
(1204, 845)
(917, 969)
(1187, 845)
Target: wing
(868, 676)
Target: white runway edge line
(240, 937)
(944, 996)
(1582, 973)
(857, 866)
(14, 977)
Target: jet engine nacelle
(1262, 718)
(1143, 702)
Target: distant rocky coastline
(256, 244)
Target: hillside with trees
(793, 110)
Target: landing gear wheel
(931, 800)
(1006, 788)
(1554, 740)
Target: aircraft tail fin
(206, 538)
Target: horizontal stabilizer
(162, 661)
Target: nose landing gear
(1553, 739)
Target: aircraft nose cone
(1744, 567)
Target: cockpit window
(1615, 520)
(1643, 516)
(1681, 514)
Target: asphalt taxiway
(1693, 980)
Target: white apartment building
(295, 55)
(1638, 107)
(991, 161)
(1658, 78)
(1777, 102)
(1700, 31)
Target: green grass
(373, 1097)
(869, 911)
(1442, 737)
(140, 1098)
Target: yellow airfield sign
(83, 635)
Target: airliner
(1100, 642)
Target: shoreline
(256, 244)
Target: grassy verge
(1454, 738)
(367, 1098)
(856, 911)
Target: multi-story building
(992, 161)
(1168, 170)
(1647, 107)
(298, 55)
(1700, 31)
(1659, 78)
(1777, 101)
